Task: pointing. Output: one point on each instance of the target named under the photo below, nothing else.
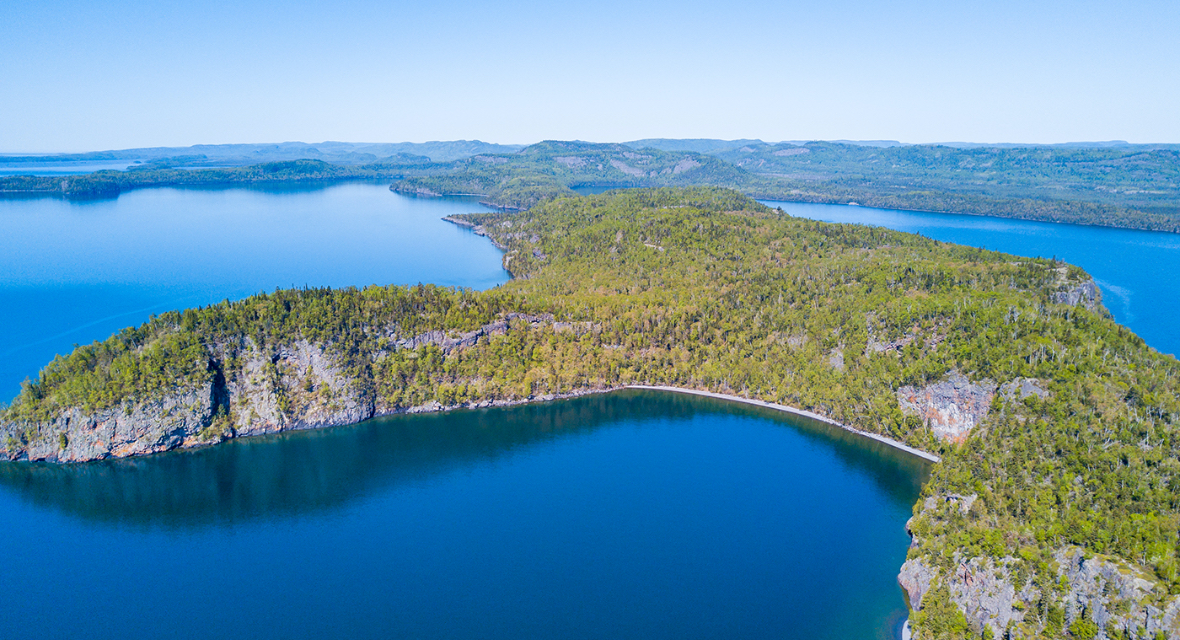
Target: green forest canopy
(704, 288)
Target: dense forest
(1118, 188)
(1129, 185)
(103, 184)
(1136, 186)
(707, 289)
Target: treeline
(840, 174)
(112, 183)
(705, 288)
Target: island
(1052, 513)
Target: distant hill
(248, 154)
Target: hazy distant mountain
(696, 145)
(246, 154)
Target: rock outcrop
(296, 386)
(1085, 294)
(951, 408)
(1104, 594)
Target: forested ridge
(704, 288)
(1134, 186)
(105, 184)
(1139, 189)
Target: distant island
(1114, 185)
(1053, 511)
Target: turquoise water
(1137, 270)
(629, 515)
(73, 272)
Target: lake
(1136, 270)
(632, 514)
(78, 271)
(635, 514)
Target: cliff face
(951, 408)
(1090, 595)
(251, 391)
(298, 388)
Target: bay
(1136, 270)
(635, 514)
(72, 272)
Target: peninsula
(1131, 186)
(1052, 513)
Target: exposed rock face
(571, 161)
(123, 430)
(1086, 294)
(982, 590)
(836, 359)
(1116, 596)
(297, 386)
(1021, 388)
(930, 338)
(950, 408)
(915, 578)
(627, 169)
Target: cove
(633, 514)
(72, 272)
(1135, 269)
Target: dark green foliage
(705, 288)
(112, 183)
(1135, 186)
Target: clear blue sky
(115, 74)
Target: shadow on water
(304, 473)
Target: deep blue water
(636, 514)
(74, 272)
(629, 515)
(1137, 270)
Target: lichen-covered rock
(1085, 294)
(1115, 595)
(124, 430)
(1021, 388)
(951, 408)
(915, 579)
(280, 388)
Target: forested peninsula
(106, 184)
(1054, 512)
(1135, 188)
(1131, 186)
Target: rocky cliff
(251, 390)
(1090, 596)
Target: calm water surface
(629, 515)
(1136, 269)
(74, 272)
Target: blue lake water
(1136, 269)
(74, 272)
(628, 515)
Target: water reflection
(297, 474)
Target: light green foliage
(705, 288)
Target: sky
(113, 74)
